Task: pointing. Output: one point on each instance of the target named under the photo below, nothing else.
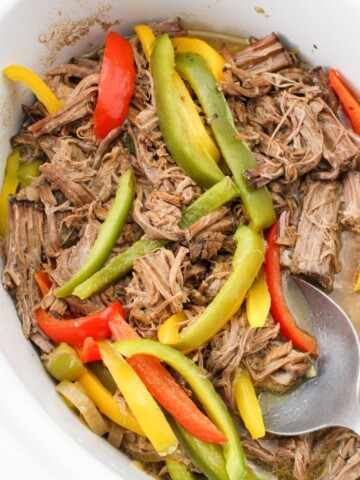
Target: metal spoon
(332, 397)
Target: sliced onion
(76, 395)
(116, 435)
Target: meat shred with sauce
(287, 113)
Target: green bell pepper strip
(9, 187)
(258, 203)
(207, 457)
(173, 122)
(219, 194)
(107, 236)
(178, 471)
(63, 363)
(248, 258)
(204, 391)
(117, 267)
(28, 171)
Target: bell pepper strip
(258, 204)
(279, 309)
(248, 405)
(204, 391)
(357, 282)
(141, 403)
(207, 457)
(164, 388)
(63, 363)
(248, 258)
(147, 39)
(116, 86)
(36, 85)
(106, 403)
(258, 302)
(103, 375)
(178, 471)
(28, 171)
(118, 267)
(199, 134)
(214, 60)
(43, 281)
(349, 102)
(168, 331)
(173, 118)
(75, 331)
(107, 236)
(197, 130)
(9, 187)
(89, 352)
(222, 192)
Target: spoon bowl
(331, 398)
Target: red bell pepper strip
(164, 388)
(75, 331)
(279, 309)
(89, 352)
(43, 281)
(348, 100)
(116, 86)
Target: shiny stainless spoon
(332, 397)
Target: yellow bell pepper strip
(178, 471)
(28, 171)
(258, 302)
(147, 39)
(258, 204)
(107, 236)
(215, 61)
(205, 393)
(106, 404)
(207, 457)
(9, 187)
(248, 405)
(36, 85)
(357, 282)
(168, 332)
(222, 192)
(117, 267)
(141, 403)
(173, 118)
(197, 130)
(248, 258)
(63, 363)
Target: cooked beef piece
(227, 349)
(265, 55)
(350, 215)
(156, 290)
(278, 368)
(70, 112)
(318, 243)
(76, 193)
(319, 77)
(205, 245)
(339, 148)
(173, 26)
(23, 257)
(294, 148)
